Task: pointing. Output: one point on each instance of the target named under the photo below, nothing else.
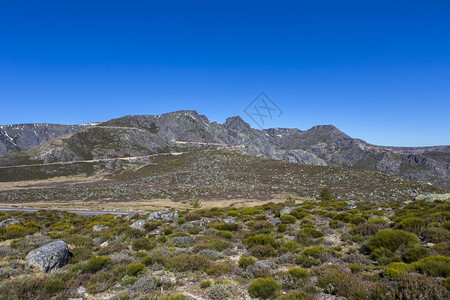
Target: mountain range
(55, 150)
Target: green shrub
(307, 262)
(261, 239)
(262, 251)
(386, 242)
(151, 226)
(281, 227)
(188, 262)
(415, 253)
(397, 269)
(205, 284)
(143, 243)
(134, 269)
(167, 231)
(316, 251)
(246, 261)
(356, 220)
(413, 224)
(173, 297)
(264, 288)
(298, 273)
(355, 268)
(436, 234)
(334, 280)
(53, 286)
(226, 226)
(326, 195)
(335, 224)
(147, 260)
(218, 244)
(312, 232)
(219, 269)
(95, 264)
(288, 219)
(436, 266)
(377, 221)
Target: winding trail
(81, 212)
(91, 160)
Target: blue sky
(377, 70)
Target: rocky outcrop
(48, 257)
(9, 222)
(163, 215)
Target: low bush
(225, 234)
(264, 288)
(188, 262)
(417, 286)
(261, 239)
(436, 266)
(246, 261)
(205, 284)
(307, 262)
(262, 251)
(334, 280)
(298, 273)
(397, 269)
(135, 269)
(95, 264)
(288, 219)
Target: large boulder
(48, 257)
(163, 215)
(9, 222)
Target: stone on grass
(9, 222)
(49, 257)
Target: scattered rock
(274, 221)
(104, 244)
(163, 215)
(139, 224)
(99, 227)
(286, 210)
(81, 290)
(48, 257)
(229, 221)
(9, 222)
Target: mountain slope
(14, 138)
(143, 135)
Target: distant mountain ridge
(141, 135)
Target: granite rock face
(48, 257)
(20, 137)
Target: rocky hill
(20, 137)
(135, 137)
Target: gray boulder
(163, 215)
(139, 224)
(9, 222)
(99, 227)
(48, 257)
(286, 210)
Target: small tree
(195, 203)
(326, 194)
(290, 201)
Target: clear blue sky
(378, 70)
